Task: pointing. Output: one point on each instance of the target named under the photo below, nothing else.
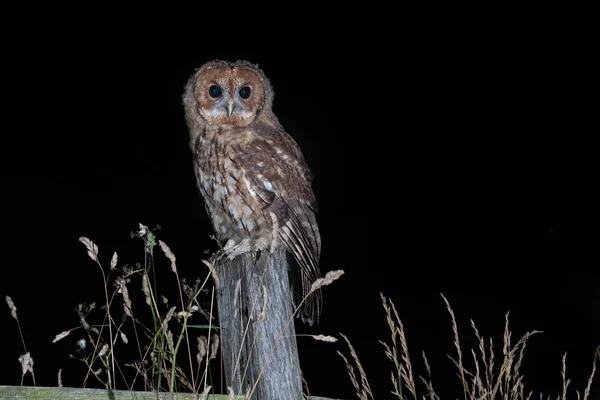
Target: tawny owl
(252, 175)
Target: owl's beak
(229, 109)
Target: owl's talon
(229, 245)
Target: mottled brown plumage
(252, 175)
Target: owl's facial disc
(229, 96)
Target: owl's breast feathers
(256, 184)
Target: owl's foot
(233, 249)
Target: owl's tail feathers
(300, 236)
(309, 304)
(312, 305)
(305, 252)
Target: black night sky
(449, 157)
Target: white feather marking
(219, 193)
(233, 212)
(268, 186)
(249, 187)
(250, 224)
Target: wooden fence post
(258, 336)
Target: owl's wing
(279, 176)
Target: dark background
(451, 151)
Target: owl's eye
(245, 92)
(214, 91)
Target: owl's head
(227, 93)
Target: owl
(254, 180)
